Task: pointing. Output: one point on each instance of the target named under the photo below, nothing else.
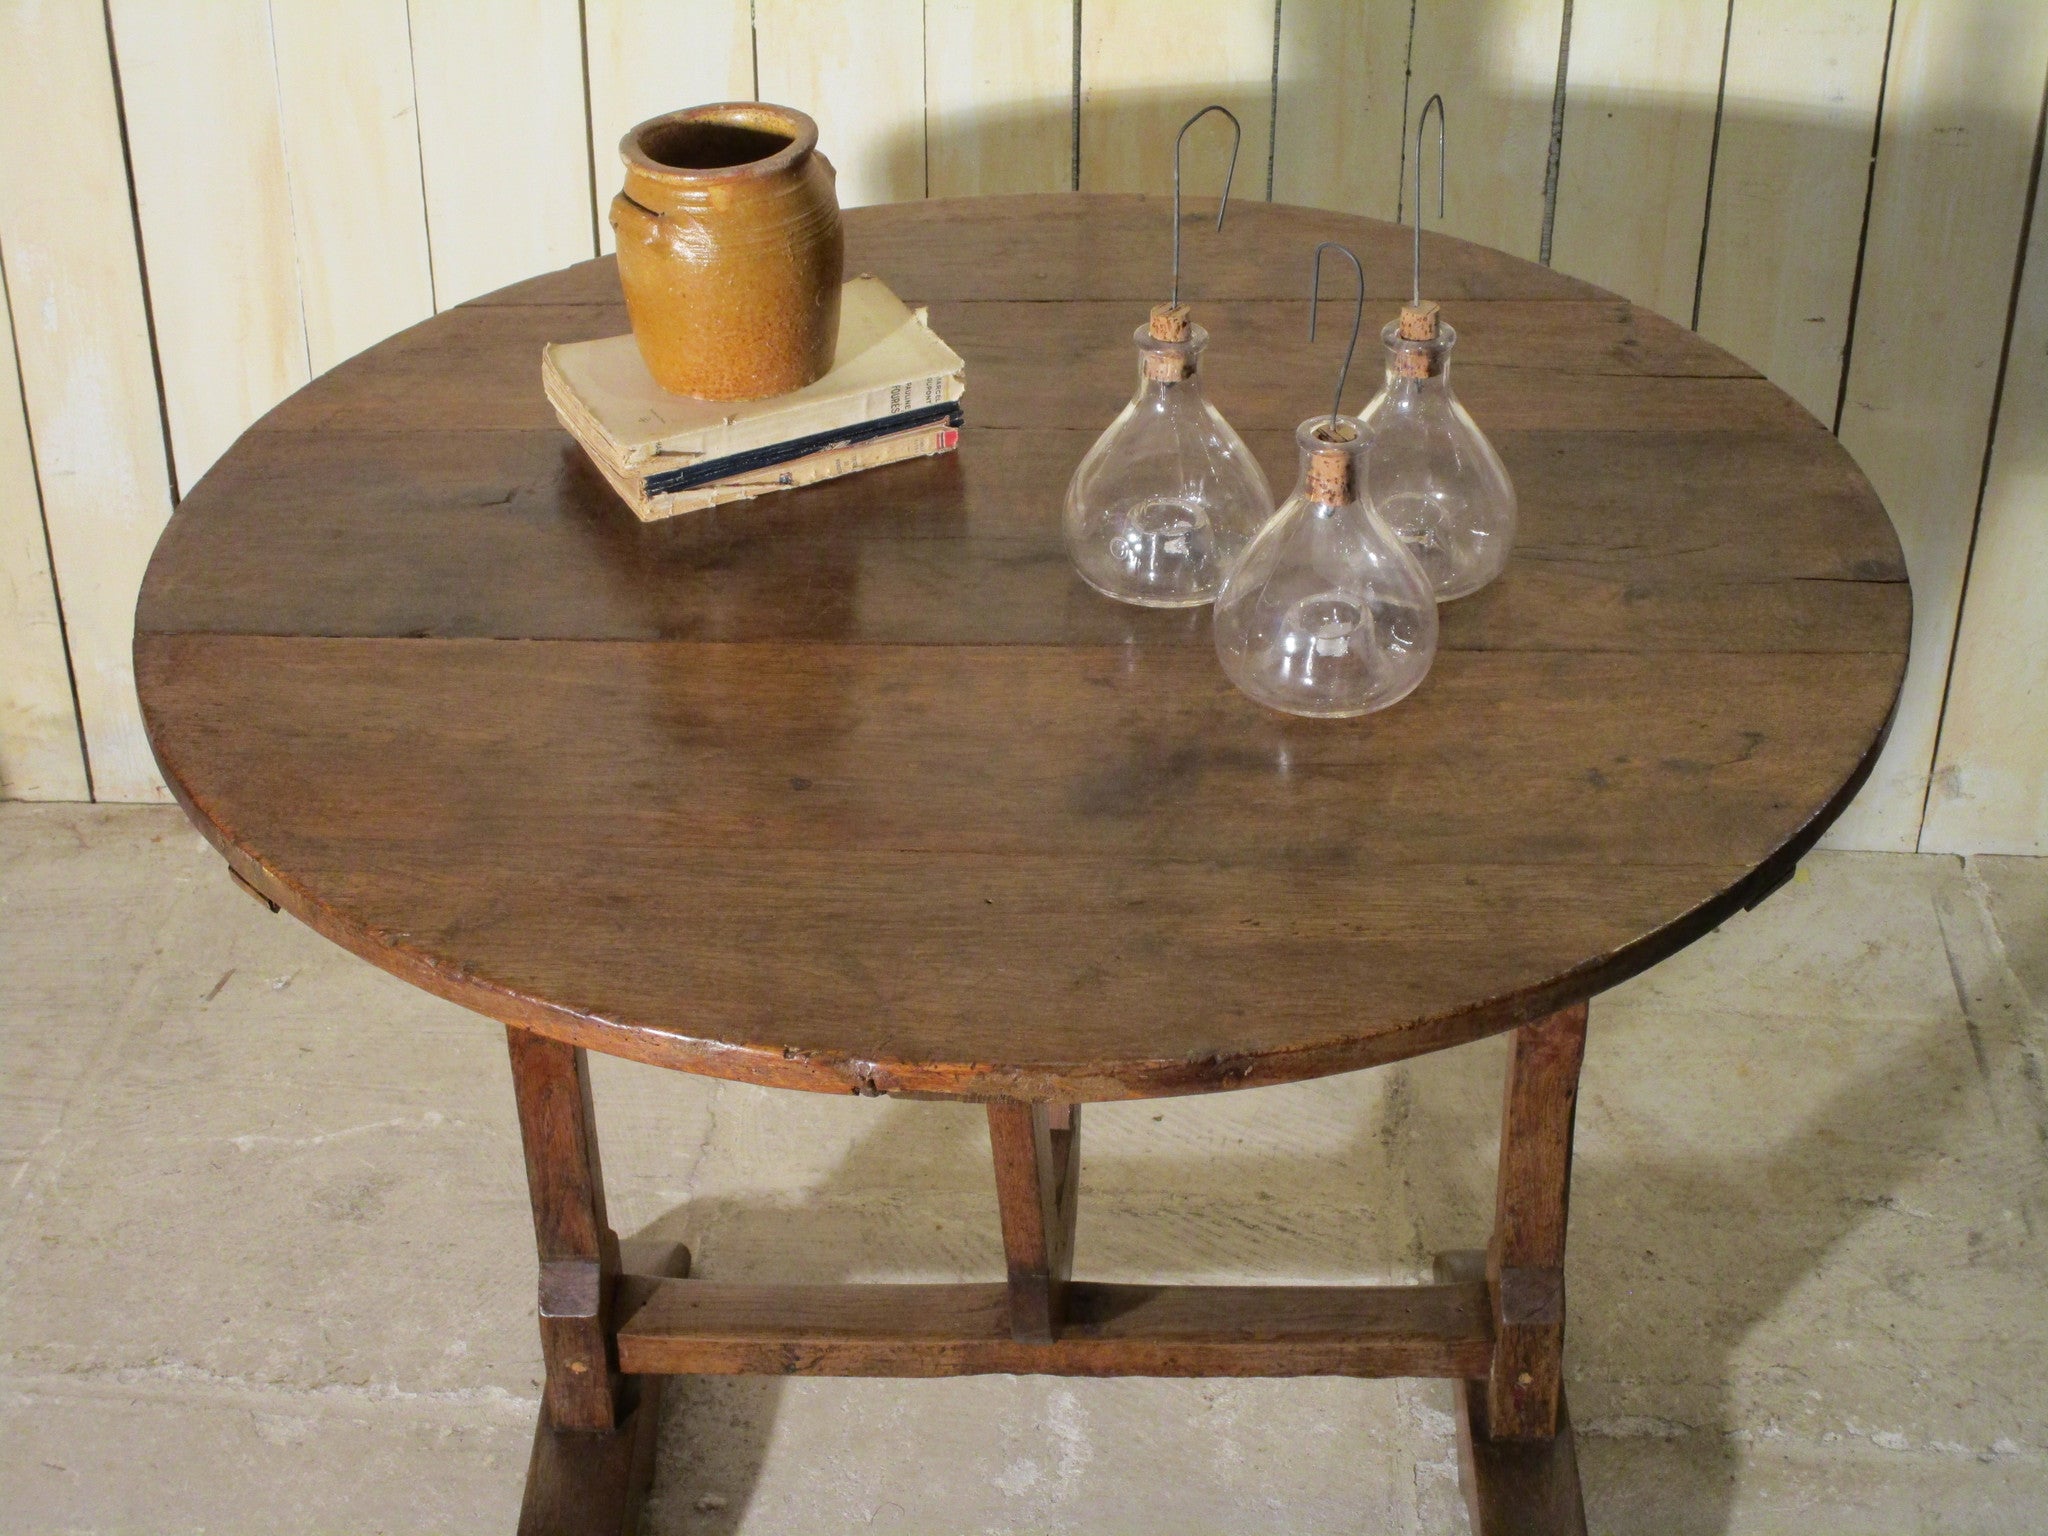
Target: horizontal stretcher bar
(695, 1328)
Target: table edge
(1079, 1081)
(1067, 1082)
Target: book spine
(873, 454)
(729, 438)
(740, 465)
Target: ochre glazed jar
(730, 250)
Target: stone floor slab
(265, 1260)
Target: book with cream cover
(893, 392)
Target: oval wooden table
(859, 789)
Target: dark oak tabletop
(860, 788)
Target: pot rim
(764, 116)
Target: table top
(860, 788)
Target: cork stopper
(1418, 321)
(1330, 475)
(1169, 323)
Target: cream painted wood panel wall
(205, 203)
(504, 136)
(1989, 793)
(1343, 86)
(1145, 69)
(1791, 180)
(207, 146)
(88, 372)
(645, 57)
(998, 98)
(1946, 222)
(1639, 145)
(350, 127)
(857, 66)
(39, 753)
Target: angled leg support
(1038, 1172)
(593, 1448)
(579, 1255)
(1516, 1455)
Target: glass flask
(1169, 496)
(1431, 473)
(1327, 614)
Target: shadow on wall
(1764, 261)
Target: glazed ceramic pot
(730, 249)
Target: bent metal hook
(1421, 123)
(1315, 298)
(1236, 142)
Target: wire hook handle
(1315, 298)
(1236, 142)
(1422, 123)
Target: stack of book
(893, 393)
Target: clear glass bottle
(1431, 473)
(1327, 614)
(1169, 495)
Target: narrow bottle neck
(1402, 387)
(1419, 363)
(1168, 363)
(1332, 462)
(1158, 381)
(1415, 368)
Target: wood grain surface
(861, 789)
(698, 1327)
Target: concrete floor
(266, 1265)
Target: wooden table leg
(581, 1482)
(1038, 1170)
(1512, 1487)
(579, 1256)
(1516, 1454)
(593, 1448)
